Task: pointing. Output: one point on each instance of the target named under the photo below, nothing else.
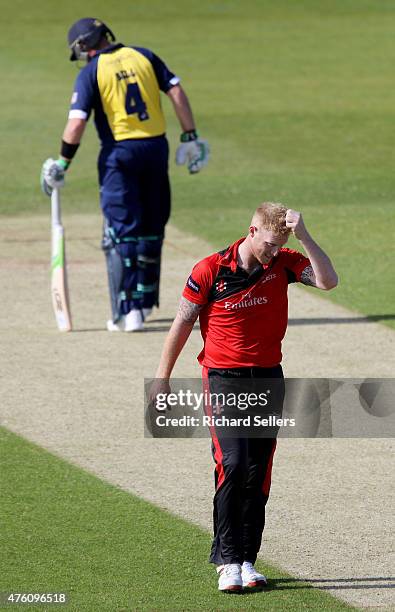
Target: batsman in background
(122, 85)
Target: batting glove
(193, 151)
(52, 174)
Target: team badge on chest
(220, 286)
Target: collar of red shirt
(229, 258)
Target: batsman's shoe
(133, 321)
(230, 580)
(251, 578)
(115, 327)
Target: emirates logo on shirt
(220, 286)
(246, 303)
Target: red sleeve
(295, 262)
(200, 281)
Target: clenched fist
(294, 220)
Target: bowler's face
(265, 244)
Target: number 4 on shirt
(134, 103)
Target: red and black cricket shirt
(245, 316)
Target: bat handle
(55, 207)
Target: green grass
(296, 99)
(64, 530)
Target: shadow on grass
(376, 582)
(146, 330)
(342, 320)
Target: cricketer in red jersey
(246, 315)
(240, 296)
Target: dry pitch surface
(80, 395)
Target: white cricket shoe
(251, 578)
(131, 322)
(230, 577)
(134, 321)
(115, 327)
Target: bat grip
(55, 207)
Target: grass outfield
(296, 99)
(64, 530)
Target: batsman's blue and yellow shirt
(122, 86)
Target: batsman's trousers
(135, 200)
(242, 476)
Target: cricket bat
(59, 289)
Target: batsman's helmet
(85, 34)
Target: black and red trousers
(243, 464)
